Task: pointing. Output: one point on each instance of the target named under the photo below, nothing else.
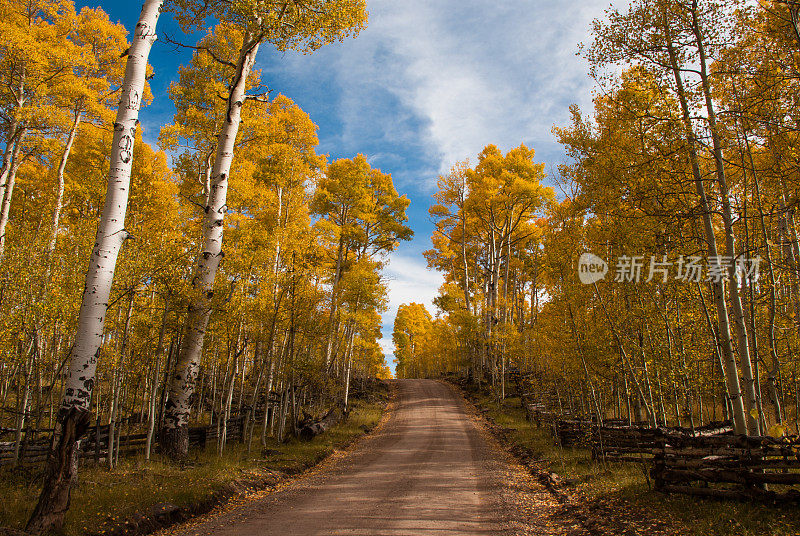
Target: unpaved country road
(429, 470)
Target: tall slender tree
(287, 24)
(73, 416)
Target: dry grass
(102, 497)
(622, 488)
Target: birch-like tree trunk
(267, 402)
(175, 434)
(153, 399)
(227, 404)
(73, 418)
(62, 166)
(118, 382)
(332, 324)
(626, 361)
(751, 397)
(15, 132)
(11, 179)
(22, 408)
(775, 368)
(723, 322)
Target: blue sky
(428, 83)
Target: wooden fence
(539, 415)
(31, 451)
(624, 443)
(36, 443)
(617, 441)
(729, 466)
(707, 461)
(572, 432)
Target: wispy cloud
(409, 280)
(440, 80)
(477, 72)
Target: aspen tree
(95, 75)
(650, 33)
(73, 418)
(364, 212)
(32, 58)
(288, 25)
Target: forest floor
(139, 496)
(616, 498)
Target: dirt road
(429, 470)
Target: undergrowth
(623, 491)
(102, 497)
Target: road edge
(497, 438)
(164, 517)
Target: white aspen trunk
(284, 411)
(226, 412)
(347, 381)
(151, 410)
(214, 373)
(4, 174)
(626, 361)
(111, 232)
(249, 423)
(23, 409)
(21, 421)
(266, 403)
(281, 227)
(152, 401)
(337, 274)
(242, 373)
(220, 407)
(175, 433)
(207, 179)
(280, 373)
(789, 254)
(112, 419)
(752, 400)
(464, 262)
(494, 314)
(115, 450)
(489, 312)
(14, 132)
(505, 314)
(119, 374)
(349, 365)
(73, 417)
(774, 370)
(62, 166)
(579, 347)
(726, 345)
(11, 179)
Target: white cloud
(409, 280)
(447, 78)
(473, 72)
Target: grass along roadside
(103, 499)
(615, 498)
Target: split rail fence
(35, 443)
(729, 466)
(709, 461)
